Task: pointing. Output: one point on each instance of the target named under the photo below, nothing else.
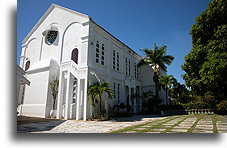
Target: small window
(74, 55)
(102, 55)
(27, 65)
(126, 66)
(97, 52)
(118, 93)
(97, 44)
(114, 89)
(114, 59)
(117, 61)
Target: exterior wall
(72, 28)
(99, 72)
(38, 97)
(146, 75)
(35, 96)
(72, 33)
(78, 31)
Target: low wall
(187, 112)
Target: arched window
(27, 65)
(74, 55)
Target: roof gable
(49, 10)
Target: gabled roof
(45, 16)
(72, 11)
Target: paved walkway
(136, 124)
(73, 126)
(182, 124)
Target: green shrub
(197, 105)
(222, 107)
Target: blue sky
(137, 23)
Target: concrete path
(73, 126)
(144, 124)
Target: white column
(78, 100)
(60, 95)
(68, 98)
(85, 99)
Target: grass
(214, 121)
(199, 117)
(157, 126)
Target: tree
(96, 92)
(166, 82)
(179, 93)
(157, 59)
(54, 89)
(206, 64)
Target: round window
(51, 36)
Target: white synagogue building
(72, 47)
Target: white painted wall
(75, 31)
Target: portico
(72, 96)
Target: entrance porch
(72, 95)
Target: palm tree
(96, 91)
(166, 82)
(157, 59)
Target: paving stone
(73, 126)
(224, 124)
(167, 124)
(202, 131)
(146, 126)
(179, 130)
(140, 128)
(182, 127)
(129, 132)
(204, 126)
(157, 129)
(222, 131)
(221, 126)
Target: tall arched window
(27, 65)
(74, 55)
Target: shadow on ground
(31, 124)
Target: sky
(137, 23)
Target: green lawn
(194, 123)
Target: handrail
(189, 111)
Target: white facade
(82, 54)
